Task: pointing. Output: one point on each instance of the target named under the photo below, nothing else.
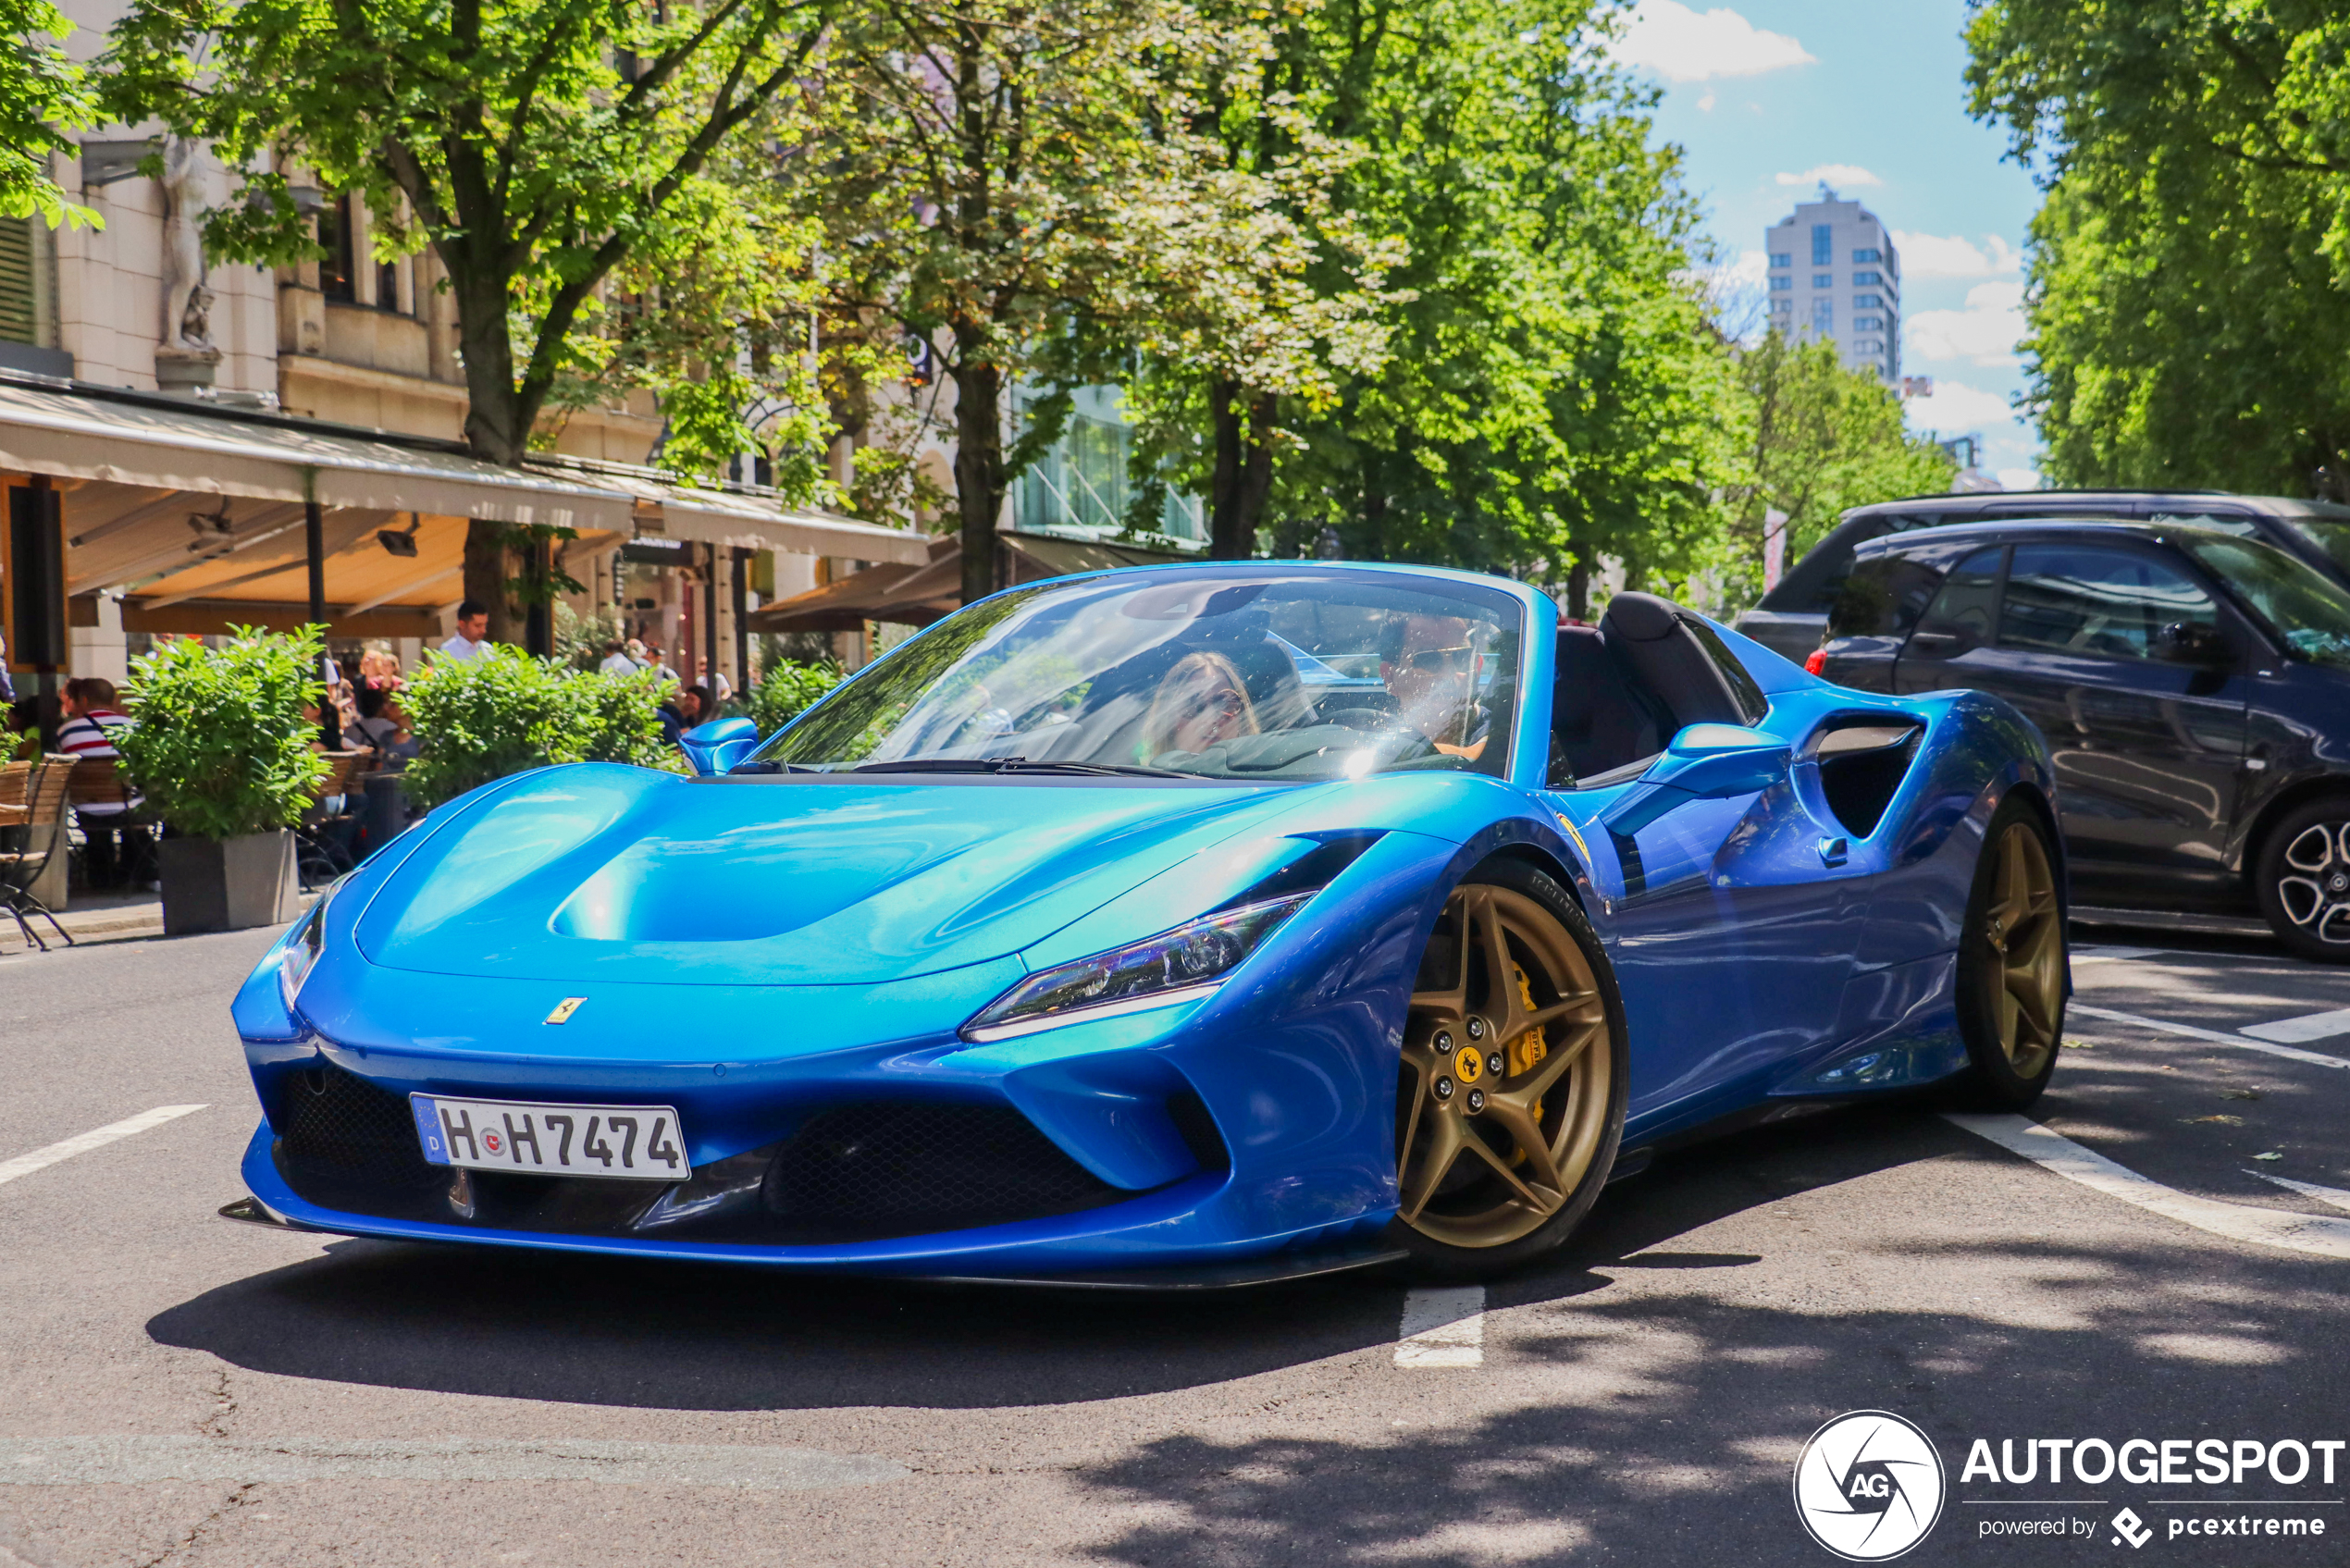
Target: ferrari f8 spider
(1196, 923)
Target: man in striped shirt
(114, 851)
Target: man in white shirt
(616, 661)
(473, 630)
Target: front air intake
(865, 1172)
(342, 1130)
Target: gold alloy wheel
(2025, 929)
(1505, 1091)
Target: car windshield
(2308, 610)
(1257, 674)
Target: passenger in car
(1202, 701)
(1430, 663)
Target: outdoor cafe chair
(21, 871)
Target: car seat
(1625, 687)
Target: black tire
(2303, 880)
(1431, 1255)
(2011, 1054)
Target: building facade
(1835, 274)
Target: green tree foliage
(2190, 289)
(45, 97)
(502, 711)
(1006, 177)
(566, 163)
(785, 691)
(1550, 392)
(1820, 439)
(218, 744)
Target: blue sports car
(1190, 923)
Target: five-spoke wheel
(1511, 1097)
(2304, 876)
(2013, 972)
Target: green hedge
(483, 718)
(218, 745)
(785, 691)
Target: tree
(1550, 391)
(1021, 182)
(1822, 439)
(2191, 260)
(43, 97)
(557, 158)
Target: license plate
(634, 1142)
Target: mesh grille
(341, 1127)
(905, 1168)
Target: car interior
(1626, 687)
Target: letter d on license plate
(634, 1142)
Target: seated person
(383, 728)
(1202, 701)
(1430, 663)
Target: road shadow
(1661, 1425)
(599, 1330)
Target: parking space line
(2165, 1026)
(2309, 1026)
(97, 1138)
(1443, 1327)
(2334, 1195)
(2320, 1234)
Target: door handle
(1835, 851)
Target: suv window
(1811, 586)
(1969, 602)
(1883, 597)
(2085, 600)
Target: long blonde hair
(1182, 693)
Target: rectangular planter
(227, 883)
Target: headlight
(293, 963)
(1157, 972)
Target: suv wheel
(2303, 880)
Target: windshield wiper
(1016, 765)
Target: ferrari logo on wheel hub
(1468, 1064)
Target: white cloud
(1705, 104)
(1748, 271)
(1957, 409)
(1933, 256)
(1830, 174)
(1684, 45)
(2019, 478)
(1985, 333)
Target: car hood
(607, 872)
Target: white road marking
(2165, 1026)
(2113, 954)
(1443, 1327)
(2321, 1234)
(2309, 1026)
(97, 1138)
(76, 1462)
(2334, 1195)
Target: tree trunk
(497, 430)
(1579, 588)
(1242, 479)
(979, 462)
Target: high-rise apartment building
(1834, 274)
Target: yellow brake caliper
(1528, 1050)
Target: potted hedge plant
(219, 748)
(502, 711)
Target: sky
(1769, 97)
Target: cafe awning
(918, 598)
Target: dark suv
(2194, 685)
(1791, 617)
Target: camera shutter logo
(1869, 1485)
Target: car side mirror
(1714, 761)
(716, 747)
(1703, 762)
(2189, 642)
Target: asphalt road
(180, 1389)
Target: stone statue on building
(185, 356)
(183, 269)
